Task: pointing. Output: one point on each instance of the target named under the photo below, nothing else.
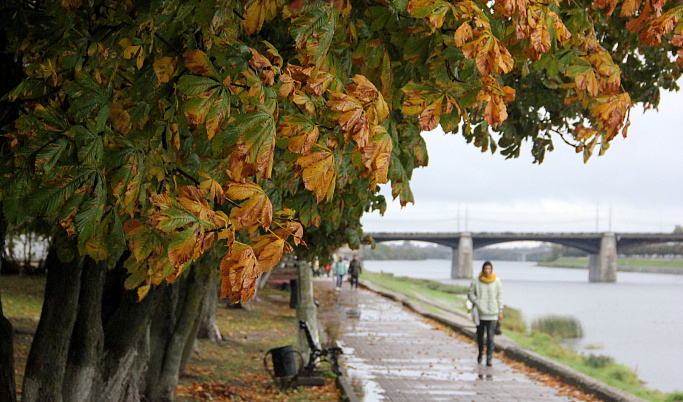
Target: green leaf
(51, 198)
(90, 145)
(258, 136)
(193, 85)
(85, 96)
(48, 157)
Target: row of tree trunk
(96, 342)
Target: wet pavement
(394, 354)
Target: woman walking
(486, 293)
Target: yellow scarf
(487, 279)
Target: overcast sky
(638, 182)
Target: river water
(637, 321)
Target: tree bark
(8, 387)
(126, 340)
(87, 341)
(208, 328)
(46, 364)
(188, 311)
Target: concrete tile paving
(393, 354)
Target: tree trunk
(126, 340)
(46, 364)
(188, 312)
(87, 341)
(12, 75)
(208, 329)
(8, 387)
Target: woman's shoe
(479, 357)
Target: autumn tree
(164, 141)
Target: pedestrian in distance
(340, 271)
(486, 294)
(355, 270)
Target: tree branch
(168, 44)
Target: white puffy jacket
(487, 297)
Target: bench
(318, 354)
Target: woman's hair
(485, 264)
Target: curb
(512, 350)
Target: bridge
(601, 247)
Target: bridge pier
(461, 263)
(603, 266)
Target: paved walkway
(394, 354)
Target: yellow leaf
(257, 13)
(142, 292)
(131, 51)
(319, 173)
(164, 68)
(197, 62)
(121, 118)
(463, 34)
(214, 189)
(414, 106)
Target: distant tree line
(409, 251)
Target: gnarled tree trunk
(46, 364)
(208, 328)
(87, 341)
(184, 308)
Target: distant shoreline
(620, 268)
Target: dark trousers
(488, 327)
(354, 281)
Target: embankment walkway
(394, 354)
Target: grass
(602, 368)
(420, 288)
(233, 369)
(229, 370)
(558, 326)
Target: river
(637, 320)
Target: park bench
(319, 355)
(284, 371)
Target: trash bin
(294, 293)
(284, 361)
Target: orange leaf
(319, 173)
(194, 200)
(429, 118)
(268, 250)
(294, 229)
(239, 270)
(377, 153)
(181, 250)
(588, 81)
(256, 210)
